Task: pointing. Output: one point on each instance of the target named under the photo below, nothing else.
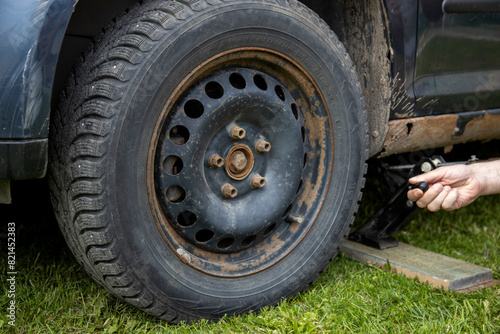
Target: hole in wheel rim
(214, 90)
(186, 218)
(281, 94)
(260, 82)
(248, 240)
(193, 109)
(295, 111)
(299, 187)
(225, 243)
(287, 211)
(179, 135)
(175, 194)
(172, 165)
(237, 81)
(269, 230)
(204, 235)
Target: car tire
(207, 157)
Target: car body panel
(457, 67)
(402, 16)
(31, 32)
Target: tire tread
(80, 131)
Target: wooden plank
(436, 269)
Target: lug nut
(257, 181)
(215, 161)
(228, 191)
(238, 133)
(262, 146)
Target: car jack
(392, 217)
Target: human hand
(450, 188)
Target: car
(207, 157)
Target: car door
(457, 66)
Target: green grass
(55, 295)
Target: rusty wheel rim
(262, 114)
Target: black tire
(157, 232)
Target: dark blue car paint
(468, 6)
(31, 32)
(458, 61)
(22, 159)
(402, 15)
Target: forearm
(488, 175)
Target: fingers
(450, 202)
(430, 177)
(430, 195)
(437, 203)
(436, 198)
(451, 188)
(415, 194)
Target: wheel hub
(240, 162)
(237, 114)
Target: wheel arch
(360, 25)
(88, 19)
(363, 25)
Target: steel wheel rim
(283, 87)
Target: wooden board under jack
(436, 269)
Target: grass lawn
(55, 295)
